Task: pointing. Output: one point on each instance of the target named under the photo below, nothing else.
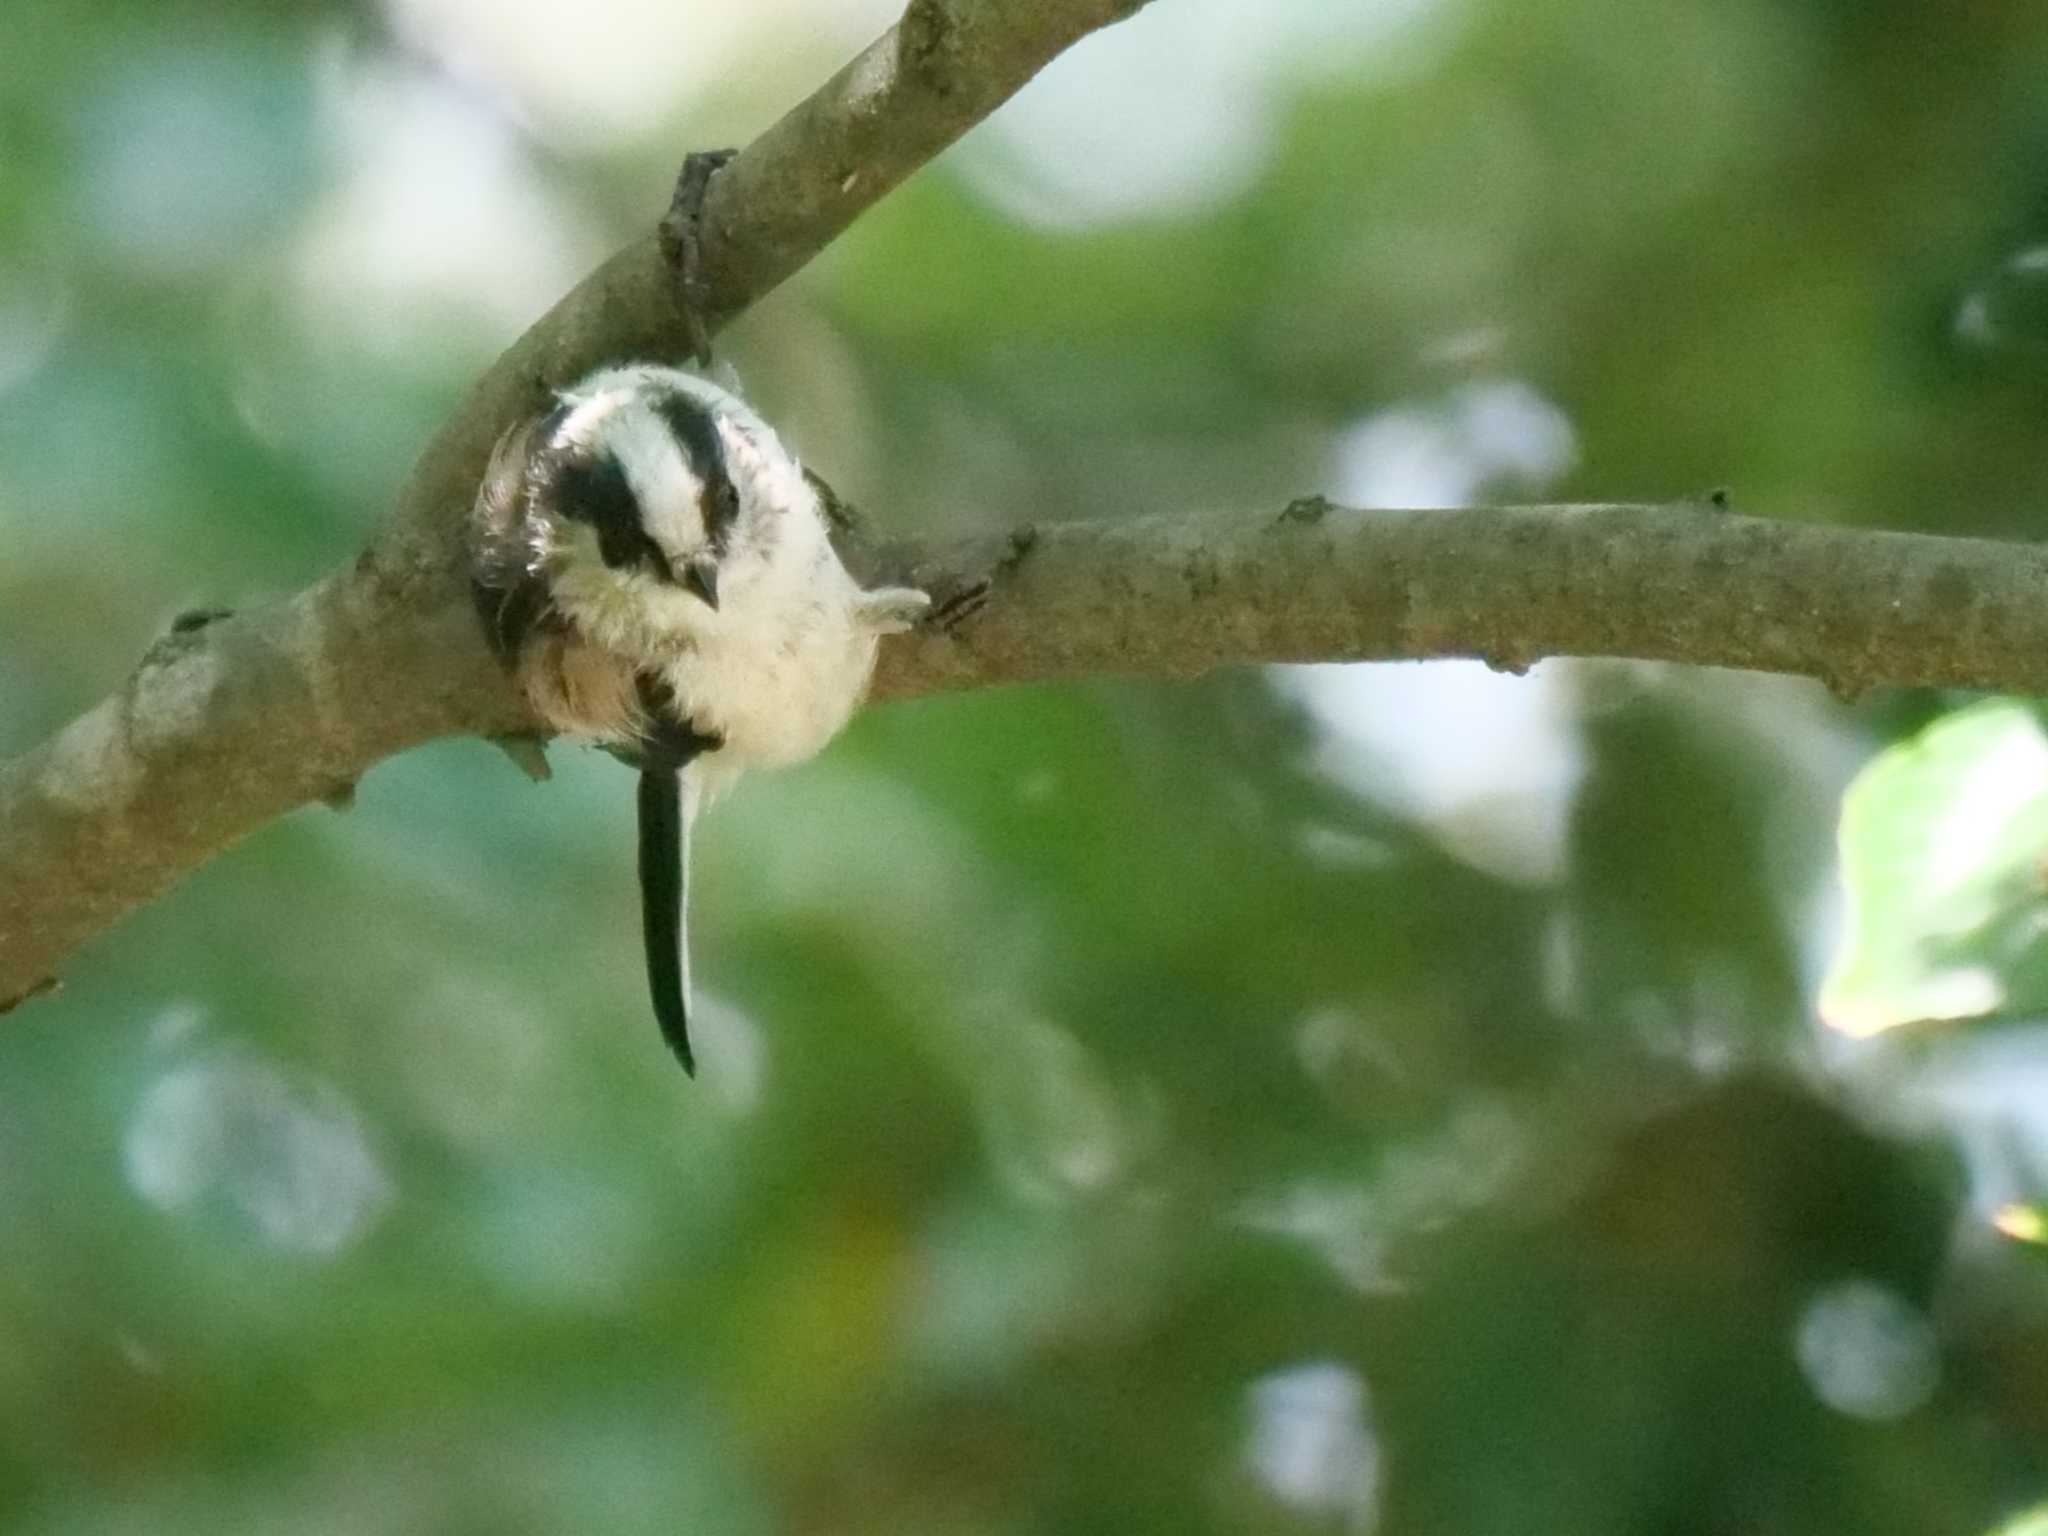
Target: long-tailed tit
(657, 572)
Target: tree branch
(1178, 596)
(226, 726)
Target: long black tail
(664, 890)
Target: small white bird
(658, 573)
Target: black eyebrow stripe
(593, 488)
(704, 448)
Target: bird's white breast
(779, 668)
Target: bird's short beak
(700, 575)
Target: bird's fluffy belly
(774, 700)
(774, 671)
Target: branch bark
(225, 727)
(1178, 596)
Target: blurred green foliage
(1945, 859)
(1307, 1102)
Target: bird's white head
(670, 502)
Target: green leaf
(1944, 851)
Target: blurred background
(1366, 1099)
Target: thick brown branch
(1173, 597)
